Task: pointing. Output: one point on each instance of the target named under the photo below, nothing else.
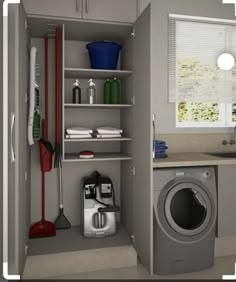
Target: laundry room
(120, 143)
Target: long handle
(13, 118)
(46, 90)
(57, 102)
(43, 196)
(77, 6)
(60, 186)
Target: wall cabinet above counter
(100, 10)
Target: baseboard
(61, 264)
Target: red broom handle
(57, 121)
(46, 89)
(43, 196)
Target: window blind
(194, 48)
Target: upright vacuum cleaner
(43, 228)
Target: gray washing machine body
(185, 209)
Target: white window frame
(225, 115)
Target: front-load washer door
(186, 207)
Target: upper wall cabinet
(142, 5)
(102, 10)
(111, 10)
(55, 8)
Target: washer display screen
(188, 209)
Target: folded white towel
(104, 136)
(79, 136)
(109, 130)
(79, 130)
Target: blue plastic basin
(104, 54)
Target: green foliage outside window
(199, 112)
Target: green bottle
(107, 92)
(115, 91)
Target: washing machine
(185, 210)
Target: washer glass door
(188, 209)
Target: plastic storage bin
(104, 54)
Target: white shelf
(98, 140)
(98, 157)
(95, 74)
(102, 106)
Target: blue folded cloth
(160, 149)
(162, 156)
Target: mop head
(42, 229)
(62, 222)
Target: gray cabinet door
(55, 8)
(111, 10)
(142, 149)
(12, 232)
(18, 149)
(226, 200)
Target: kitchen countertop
(192, 159)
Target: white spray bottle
(91, 93)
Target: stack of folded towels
(108, 132)
(160, 149)
(79, 133)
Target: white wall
(165, 112)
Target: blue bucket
(104, 54)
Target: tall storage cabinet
(127, 160)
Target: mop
(61, 222)
(44, 228)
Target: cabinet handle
(87, 6)
(154, 134)
(13, 118)
(77, 6)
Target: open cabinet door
(142, 152)
(18, 149)
(12, 160)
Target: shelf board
(98, 140)
(98, 157)
(95, 74)
(101, 106)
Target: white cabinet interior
(99, 10)
(115, 158)
(91, 116)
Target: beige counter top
(192, 159)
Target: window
(205, 115)
(205, 95)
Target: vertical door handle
(77, 6)
(154, 134)
(13, 118)
(87, 6)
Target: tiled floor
(223, 266)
